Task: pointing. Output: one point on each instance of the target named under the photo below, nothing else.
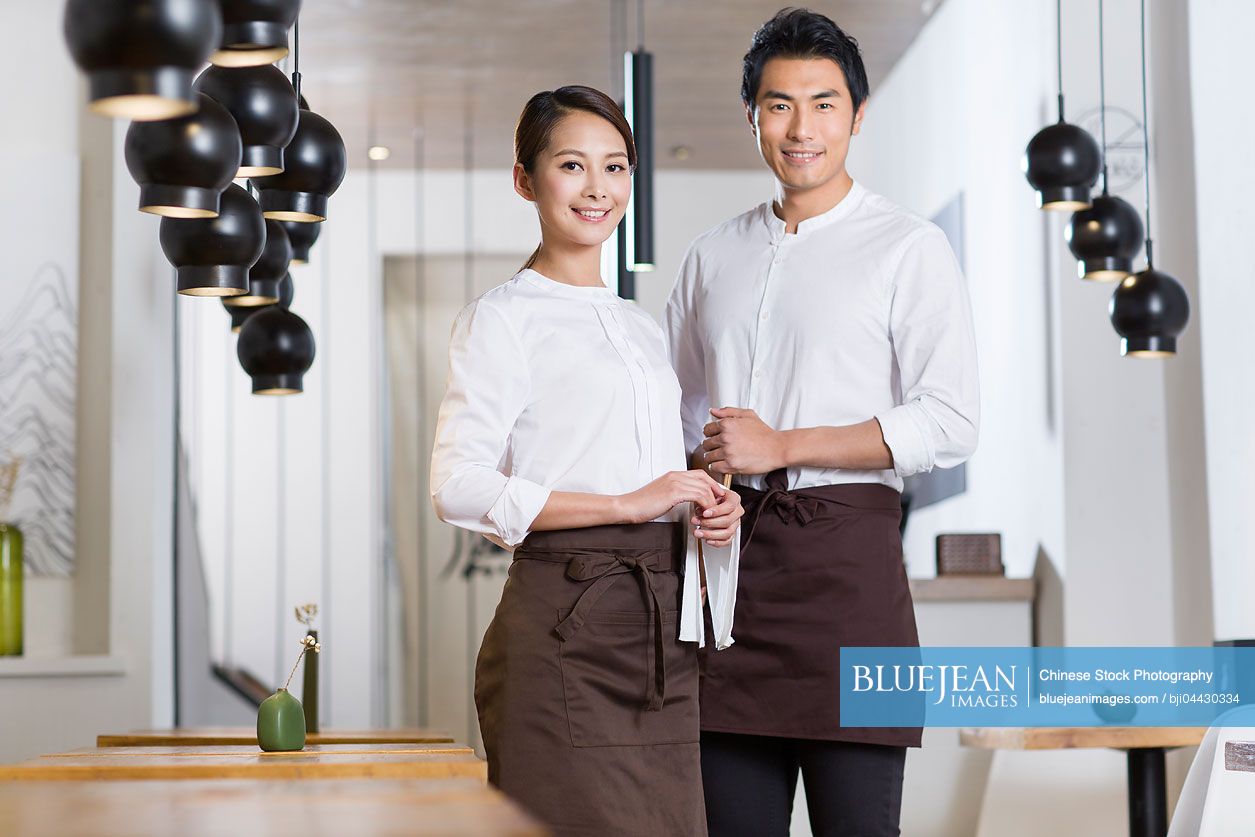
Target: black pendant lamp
(638, 105)
(314, 164)
(268, 272)
(240, 313)
(255, 32)
(263, 104)
(287, 291)
(1062, 161)
(1106, 237)
(1150, 309)
(302, 237)
(140, 55)
(183, 165)
(276, 349)
(212, 256)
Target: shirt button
(765, 315)
(758, 373)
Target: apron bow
(787, 505)
(603, 570)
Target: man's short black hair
(801, 33)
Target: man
(831, 331)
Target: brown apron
(587, 700)
(821, 569)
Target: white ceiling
(389, 71)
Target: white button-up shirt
(862, 313)
(554, 387)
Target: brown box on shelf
(970, 554)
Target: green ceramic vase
(10, 590)
(281, 723)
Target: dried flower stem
(307, 644)
(8, 481)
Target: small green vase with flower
(280, 718)
(11, 569)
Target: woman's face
(580, 183)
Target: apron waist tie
(603, 570)
(788, 505)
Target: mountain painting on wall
(39, 352)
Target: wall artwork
(39, 351)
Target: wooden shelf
(88, 665)
(973, 588)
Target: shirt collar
(844, 207)
(584, 293)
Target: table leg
(1148, 797)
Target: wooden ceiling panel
(387, 72)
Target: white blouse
(863, 312)
(554, 387)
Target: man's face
(803, 119)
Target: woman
(558, 436)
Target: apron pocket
(605, 668)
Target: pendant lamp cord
(1059, 51)
(640, 25)
(614, 57)
(296, 58)
(1102, 97)
(1150, 256)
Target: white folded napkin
(722, 564)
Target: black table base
(1148, 796)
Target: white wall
(100, 656)
(1218, 55)
(1134, 493)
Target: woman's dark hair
(544, 111)
(801, 33)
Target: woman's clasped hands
(718, 509)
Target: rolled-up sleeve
(487, 391)
(687, 357)
(934, 345)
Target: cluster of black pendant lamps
(192, 136)
(1149, 309)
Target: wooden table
(316, 761)
(248, 735)
(1148, 796)
(364, 808)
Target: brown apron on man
(587, 700)
(821, 569)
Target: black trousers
(750, 780)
